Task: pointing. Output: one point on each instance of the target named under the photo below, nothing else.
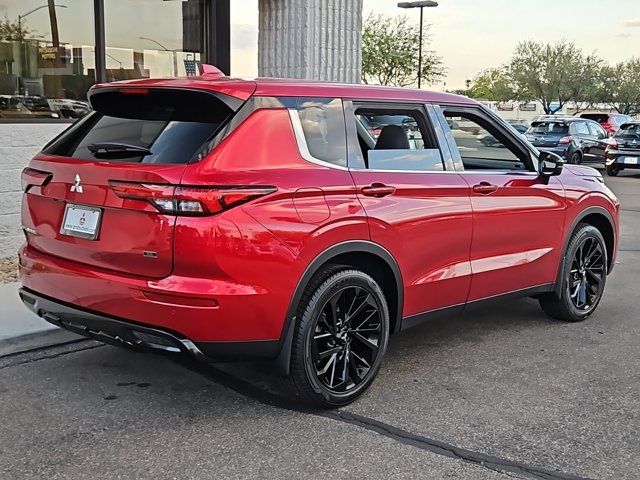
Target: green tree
(620, 86)
(549, 73)
(11, 31)
(493, 84)
(390, 51)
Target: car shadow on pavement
(505, 322)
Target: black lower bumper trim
(139, 337)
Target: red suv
(301, 222)
(611, 122)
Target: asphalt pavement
(503, 392)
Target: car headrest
(392, 137)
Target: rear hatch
(77, 203)
(628, 138)
(548, 134)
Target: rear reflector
(189, 201)
(34, 178)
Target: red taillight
(193, 201)
(611, 142)
(34, 178)
(142, 191)
(565, 140)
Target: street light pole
(50, 6)
(421, 6)
(420, 54)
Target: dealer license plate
(81, 221)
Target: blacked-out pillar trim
(100, 46)
(218, 35)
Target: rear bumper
(620, 159)
(225, 318)
(138, 337)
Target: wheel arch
(600, 218)
(367, 256)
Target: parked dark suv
(574, 139)
(226, 218)
(623, 150)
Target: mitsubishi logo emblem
(76, 187)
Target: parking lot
(502, 392)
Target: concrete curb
(21, 329)
(36, 341)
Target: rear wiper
(118, 148)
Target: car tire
(576, 158)
(584, 275)
(336, 354)
(613, 170)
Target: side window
(481, 144)
(579, 128)
(398, 139)
(322, 121)
(597, 130)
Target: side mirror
(550, 164)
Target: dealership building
(53, 51)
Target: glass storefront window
(48, 51)
(153, 38)
(46, 59)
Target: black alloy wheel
(585, 269)
(346, 339)
(576, 158)
(340, 336)
(586, 275)
(613, 170)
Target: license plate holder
(630, 160)
(81, 221)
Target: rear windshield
(549, 128)
(620, 119)
(597, 117)
(630, 130)
(159, 127)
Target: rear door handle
(485, 188)
(378, 190)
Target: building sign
(505, 107)
(527, 107)
(49, 56)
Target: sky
(472, 35)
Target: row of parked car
(35, 106)
(609, 138)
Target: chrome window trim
(458, 172)
(301, 140)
